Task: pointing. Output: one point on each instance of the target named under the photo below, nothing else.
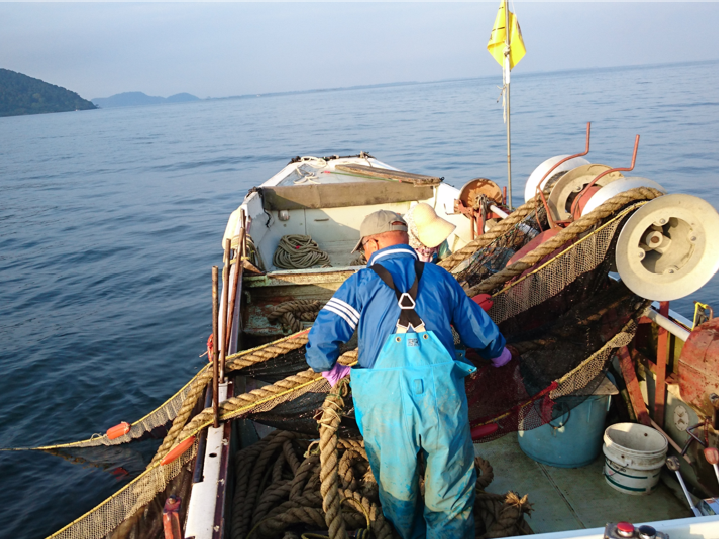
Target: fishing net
(561, 363)
(562, 314)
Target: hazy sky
(222, 49)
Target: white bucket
(634, 456)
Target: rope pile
(291, 313)
(298, 251)
(333, 489)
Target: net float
(118, 430)
(178, 450)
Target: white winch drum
(669, 248)
(569, 186)
(634, 457)
(619, 186)
(530, 188)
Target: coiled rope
(291, 313)
(573, 231)
(298, 251)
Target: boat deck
(566, 499)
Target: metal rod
(671, 442)
(664, 322)
(215, 346)
(225, 305)
(538, 190)
(579, 197)
(508, 69)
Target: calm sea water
(111, 219)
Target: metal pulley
(572, 183)
(669, 248)
(530, 188)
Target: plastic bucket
(572, 440)
(634, 456)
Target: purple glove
(338, 372)
(501, 360)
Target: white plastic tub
(634, 456)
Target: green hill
(20, 94)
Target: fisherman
(428, 233)
(408, 385)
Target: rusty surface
(699, 367)
(660, 394)
(588, 189)
(635, 393)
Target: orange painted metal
(538, 191)
(118, 430)
(660, 391)
(171, 518)
(630, 379)
(588, 189)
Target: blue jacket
(364, 302)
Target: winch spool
(572, 183)
(668, 248)
(619, 186)
(473, 189)
(530, 188)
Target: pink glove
(336, 374)
(501, 360)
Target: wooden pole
(215, 346)
(240, 257)
(507, 70)
(225, 304)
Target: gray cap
(379, 222)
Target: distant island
(132, 99)
(20, 94)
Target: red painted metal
(171, 518)
(699, 366)
(587, 189)
(483, 430)
(660, 394)
(630, 379)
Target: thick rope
(290, 313)
(485, 239)
(268, 396)
(265, 353)
(329, 478)
(566, 235)
(298, 251)
(188, 405)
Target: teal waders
(413, 400)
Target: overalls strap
(408, 317)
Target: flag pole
(507, 71)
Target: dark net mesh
(561, 363)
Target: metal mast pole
(507, 71)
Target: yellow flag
(497, 41)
